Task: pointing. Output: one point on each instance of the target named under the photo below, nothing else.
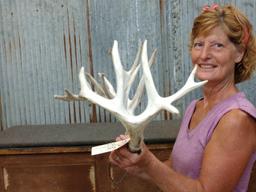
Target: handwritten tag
(108, 147)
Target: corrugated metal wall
(43, 44)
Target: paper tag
(108, 147)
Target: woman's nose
(205, 52)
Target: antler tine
(138, 93)
(189, 86)
(85, 87)
(191, 79)
(107, 86)
(119, 71)
(131, 77)
(154, 100)
(97, 86)
(152, 58)
(150, 86)
(131, 74)
(137, 58)
(68, 96)
(87, 93)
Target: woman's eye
(198, 45)
(218, 45)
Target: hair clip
(246, 36)
(213, 7)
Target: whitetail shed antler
(119, 103)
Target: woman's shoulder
(238, 101)
(239, 114)
(238, 125)
(245, 105)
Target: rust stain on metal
(70, 55)
(167, 115)
(74, 111)
(162, 14)
(70, 47)
(1, 116)
(75, 49)
(92, 177)
(109, 51)
(20, 48)
(6, 179)
(65, 51)
(89, 40)
(74, 24)
(80, 48)
(93, 117)
(162, 5)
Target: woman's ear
(239, 54)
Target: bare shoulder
(229, 150)
(238, 127)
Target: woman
(216, 145)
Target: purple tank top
(189, 147)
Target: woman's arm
(225, 159)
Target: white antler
(119, 104)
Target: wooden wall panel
(56, 172)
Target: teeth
(205, 66)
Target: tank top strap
(187, 116)
(237, 101)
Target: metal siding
(43, 44)
(36, 63)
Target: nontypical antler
(119, 103)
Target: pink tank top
(189, 147)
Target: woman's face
(215, 56)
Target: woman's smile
(205, 66)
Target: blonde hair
(239, 31)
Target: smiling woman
(216, 146)
(238, 31)
(216, 56)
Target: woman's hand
(133, 163)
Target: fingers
(122, 137)
(122, 157)
(118, 160)
(116, 157)
(113, 158)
